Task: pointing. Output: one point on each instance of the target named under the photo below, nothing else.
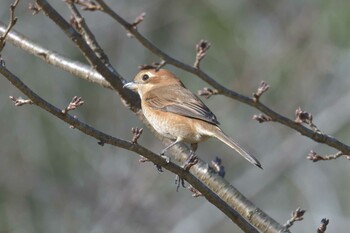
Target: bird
(178, 114)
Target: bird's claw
(190, 161)
(178, 181)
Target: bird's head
(150, 79)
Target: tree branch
(73, 67)
(12, 23)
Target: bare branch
(314, 157)
(88, 35)
(75, 68)
(12, 23)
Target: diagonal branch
(73, 67)
(12, 23)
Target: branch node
(75, 103)
(297, 215)
(305, 117)
(195, 192)
(217, 166)
(20, 101)
(207, 92)
(263, 87)
(262, 118)
(201, 48)
(86, 5)
(138, 19)
(136, 133)
(34, 7)
(72, 126)
(323, 226)
(136, 22)
(314, 157)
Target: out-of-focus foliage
(55, 179)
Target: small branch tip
(136, 133)
(20, 101)
(75, 103)
(297, 215)
(305, 117)
(263, 87)
(207, 92)
(34, 7)
(262, 118)
(314, 157)
(201, 48)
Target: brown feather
(184, 103)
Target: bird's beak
(131, 86)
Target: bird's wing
(179, 100)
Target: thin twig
(20, 101)
(75, 103)
(88, 35)
(314, 157)
(74, 67)
(201, 48)
(12, 23)
(263, 87)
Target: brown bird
(178, 114)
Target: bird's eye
(145, 77)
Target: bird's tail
(231, 143)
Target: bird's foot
(190, 161)
(179, 181)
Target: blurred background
(56, 179)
